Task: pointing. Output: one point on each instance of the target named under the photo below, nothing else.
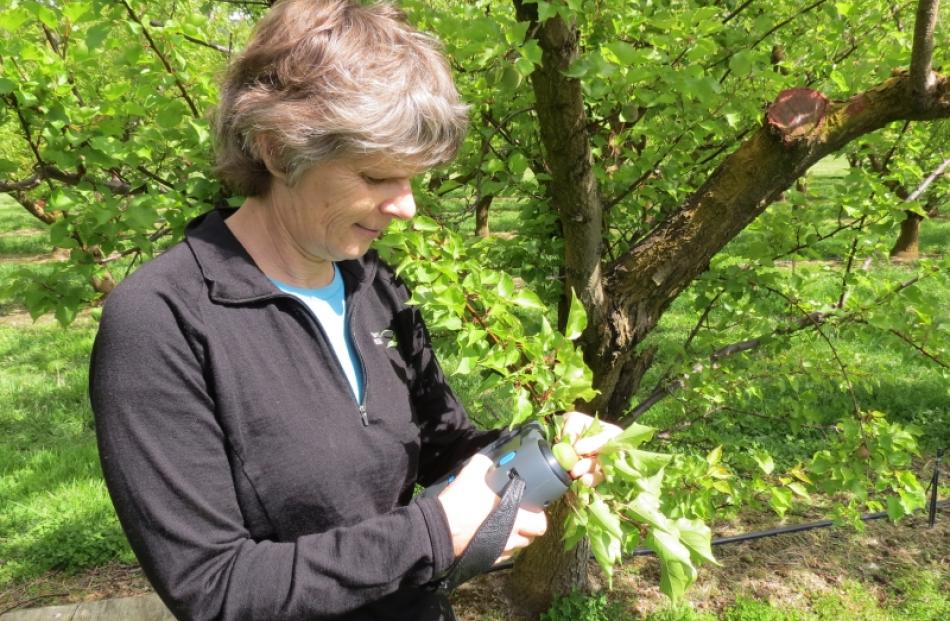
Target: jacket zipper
(364, 416)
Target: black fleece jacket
(250, 482)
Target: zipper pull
(363, 415)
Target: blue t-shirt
(328, 305)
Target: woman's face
(336, 209)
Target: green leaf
(800, 490)
(532, 51)
(646, 508)
(65, 314)
(839, 80)
(625, 53)
(675, 578)
(696, 536)
(630, 438)
(525, 298)
(606, 549)
(647, 462)
(523, 408)
(97, 34)
(764, 461)
(12, 19)
(565, 455)
(780, 500)
(668, 546)
(742, 62)
(74, 10)
(602, 513)
(714, 456)
(576, 318)
(6, 86)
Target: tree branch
(930, 179)
(923, 351)
(665, 388)
(739, 9)
(746, 182)
(762, 38)
(847, 270)
(35, 208)
(922, 78)
(161, 57)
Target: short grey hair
(326, 79)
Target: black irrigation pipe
(796, 528)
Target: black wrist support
(489, 540)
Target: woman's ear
(266, 151)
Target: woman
(265, 400)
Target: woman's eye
(374, 180)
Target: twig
(770, 31)
(922, 79)
(930, 179)
(890, 153)
(651, 170)
(27, 133)
(847, 269)
(30, 601)
(810, 318)
(741, 8)
(213, 46)
(819, 237)
(702, 319)
(168, 68)
(923, 351)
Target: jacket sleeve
(448, 435)
(166, 465)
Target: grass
(55, 513)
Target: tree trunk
(481, 215)
(545, 570)
(625, 298)
(908, 242)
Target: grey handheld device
(526, 452)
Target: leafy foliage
(581, 607)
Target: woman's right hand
(468, 500)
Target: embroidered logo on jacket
(384, 337)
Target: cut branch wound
(796, 113)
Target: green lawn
(54, 509)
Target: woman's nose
(401, 203)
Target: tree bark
(907, 246)
(545, 569)
(481, 215)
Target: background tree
(633, 142)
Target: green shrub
(582, 607)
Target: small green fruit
(565, 455)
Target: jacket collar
(232, 275)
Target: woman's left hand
(587, 468)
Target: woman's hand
(587, 468)
(468, 500)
